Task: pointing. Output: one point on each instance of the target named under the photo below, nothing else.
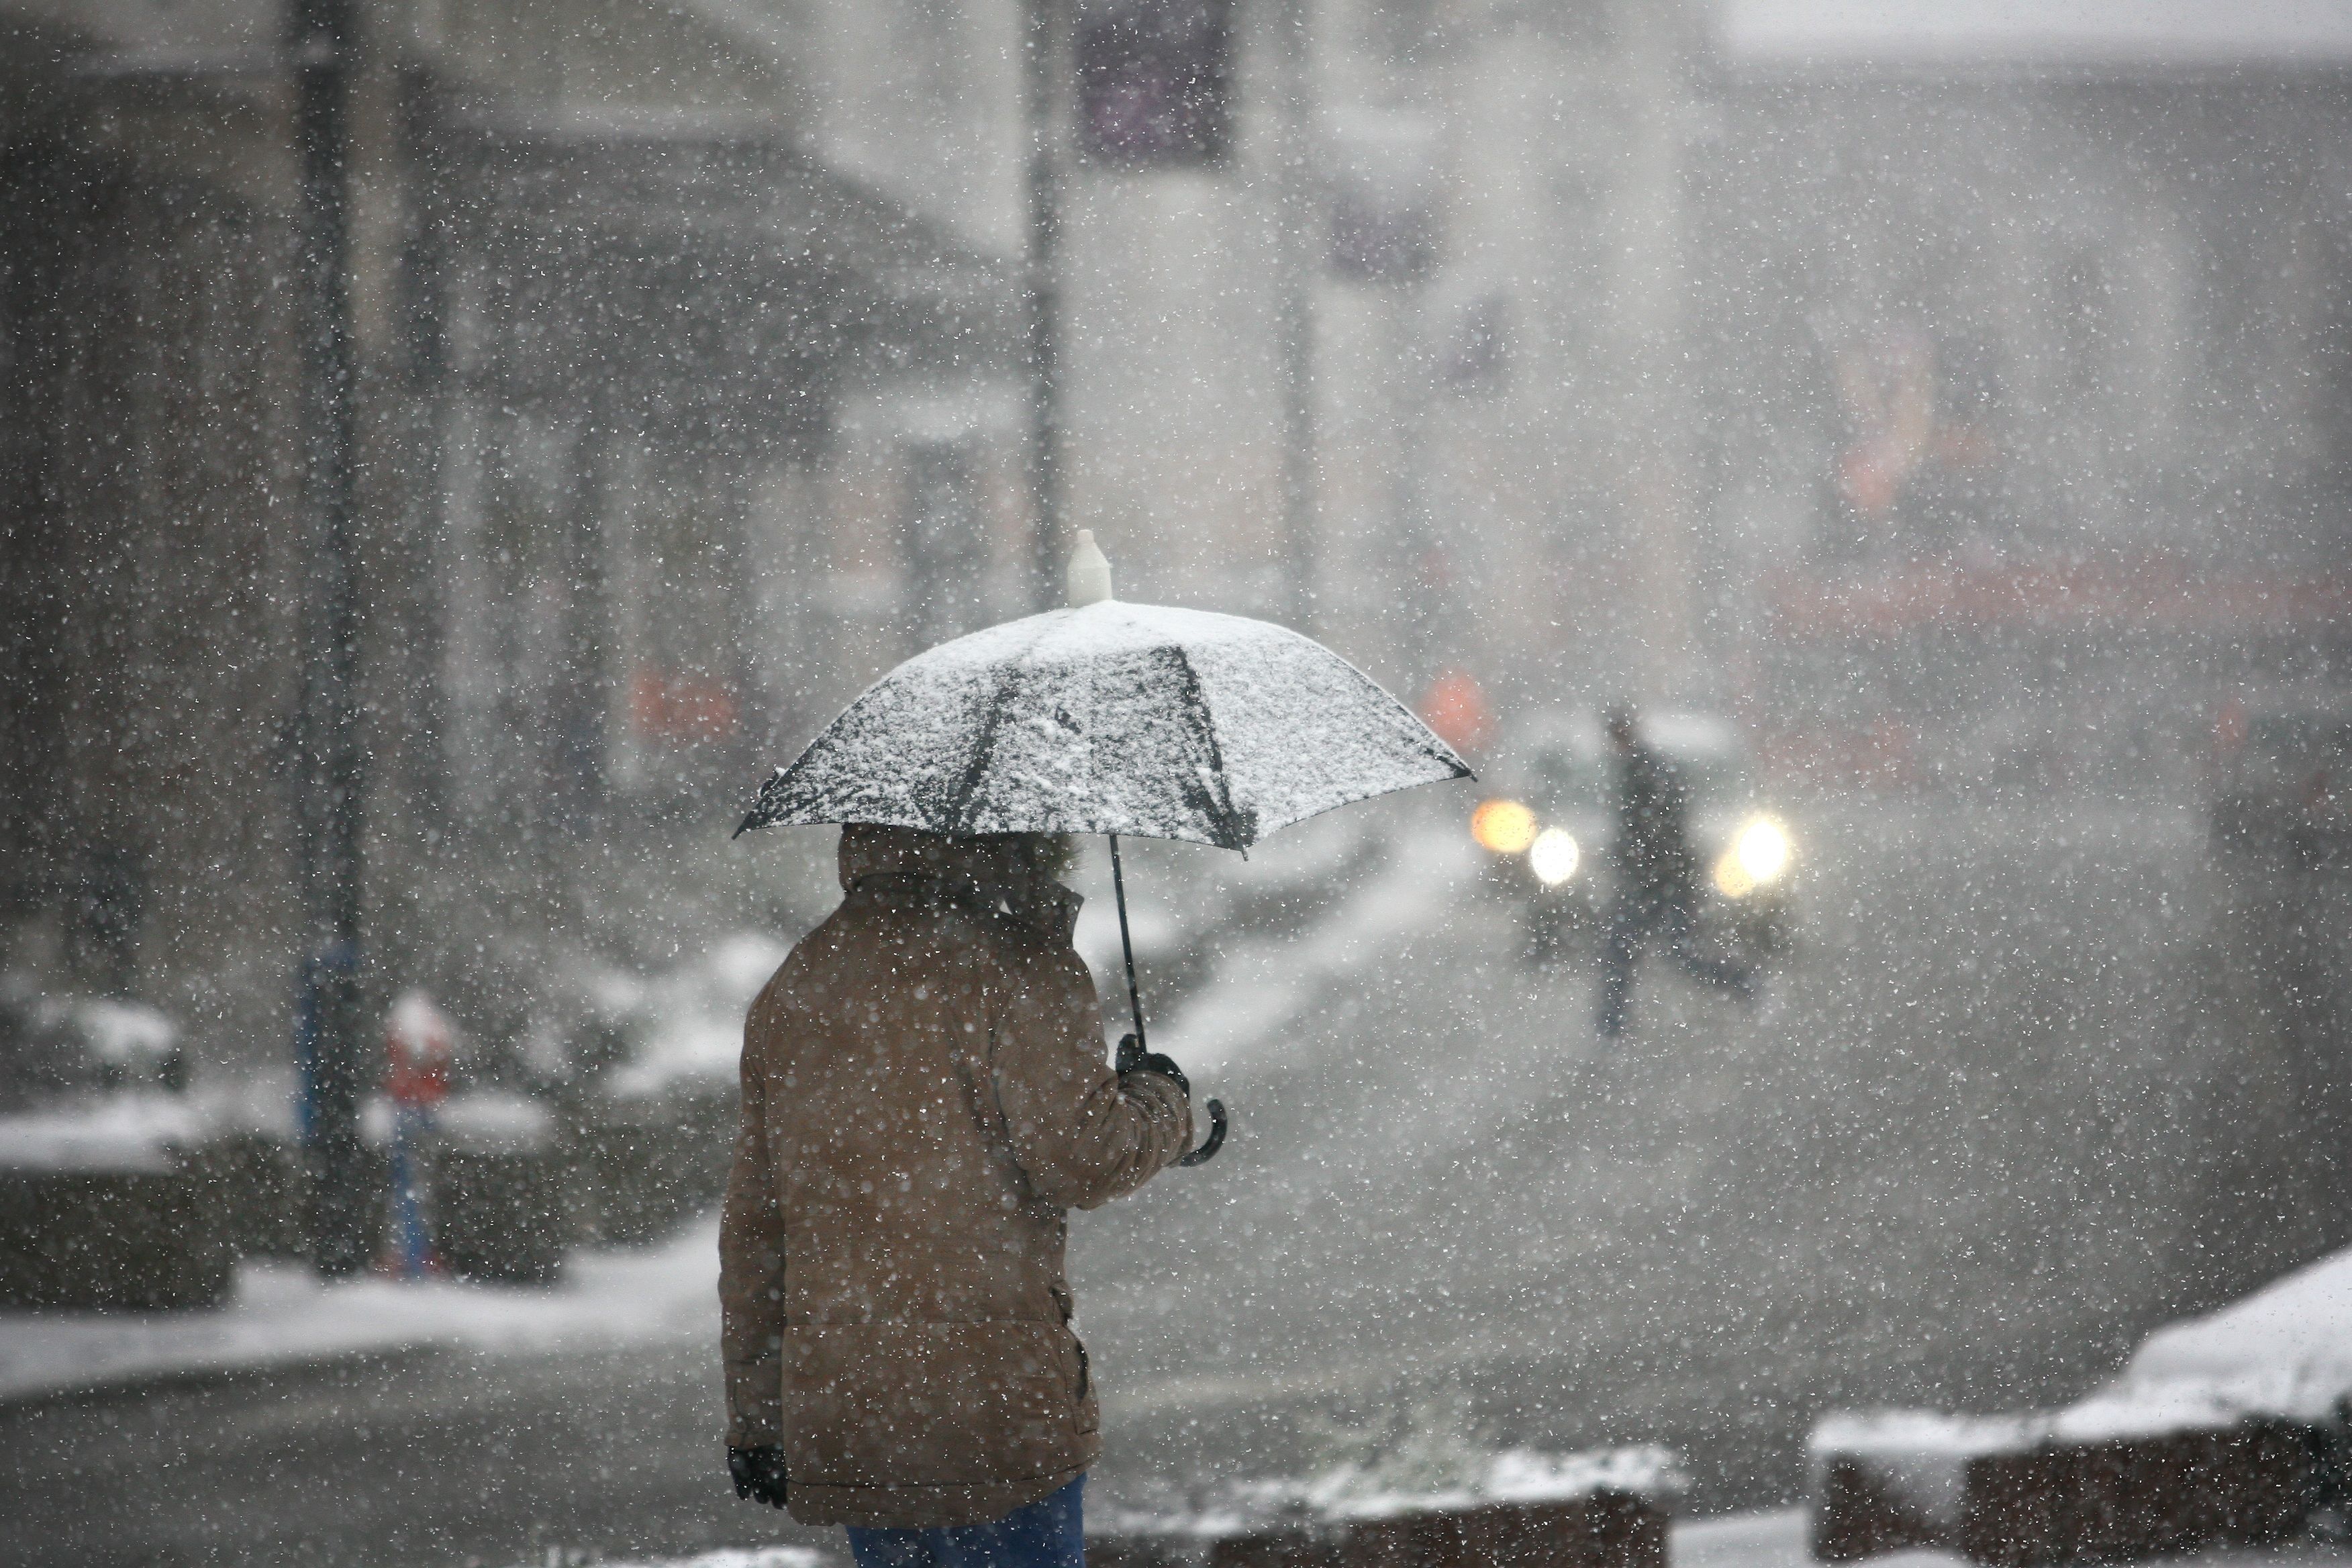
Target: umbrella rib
(983, 748)
(983, 751)
(1196, 702)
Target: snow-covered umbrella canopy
(1143, 719)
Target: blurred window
(2085, 322)
(1155, 82)
(2332, 377)
(946, 556)
(1478, 345)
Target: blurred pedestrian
(924, 1098)
(1657, 876)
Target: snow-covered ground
(1773, 1540)
(282, 1315)
(1778, 1539)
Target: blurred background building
(1916, 385)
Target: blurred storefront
(607, 312)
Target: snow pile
(137, 1132)
(2286, 1350)
(283, 1314)
(1178, 903)
(58, 1045)
(2284, 1353)
(493, 1121)
(1365, 1491)
(1514, 1475)
(128, 1035)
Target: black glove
(759, 1474)
(1133, 1057)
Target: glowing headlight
(1505, 827)
(1553, 856)
(1760, 854)
(1763, 849)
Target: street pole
(1045, 41)
(320, 38)
(1295, 311)
(1650, 320)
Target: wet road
(2022, 1095)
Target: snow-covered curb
(1920, 1458)
(283, 1315)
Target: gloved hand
(759, 1474)
(1133, 1057)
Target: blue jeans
(1047, 1533)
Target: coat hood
(875, 849)
(985, 868)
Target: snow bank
(1775, 1540)
(283, 1314)
(137, 1132)
(2283, 1353)
(2284, 1350)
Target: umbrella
(1112, 718)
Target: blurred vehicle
(1549, 831)
(2282, 787)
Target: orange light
(1505, 827)
(1456, 708)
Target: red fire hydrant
(418, 1042)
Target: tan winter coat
(925, 1095)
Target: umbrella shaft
(1126, 946)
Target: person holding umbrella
(925, 1094)
(924, 1098)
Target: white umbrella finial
(1089, 571)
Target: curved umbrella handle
(1132, 1049)
(1213, 1142)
